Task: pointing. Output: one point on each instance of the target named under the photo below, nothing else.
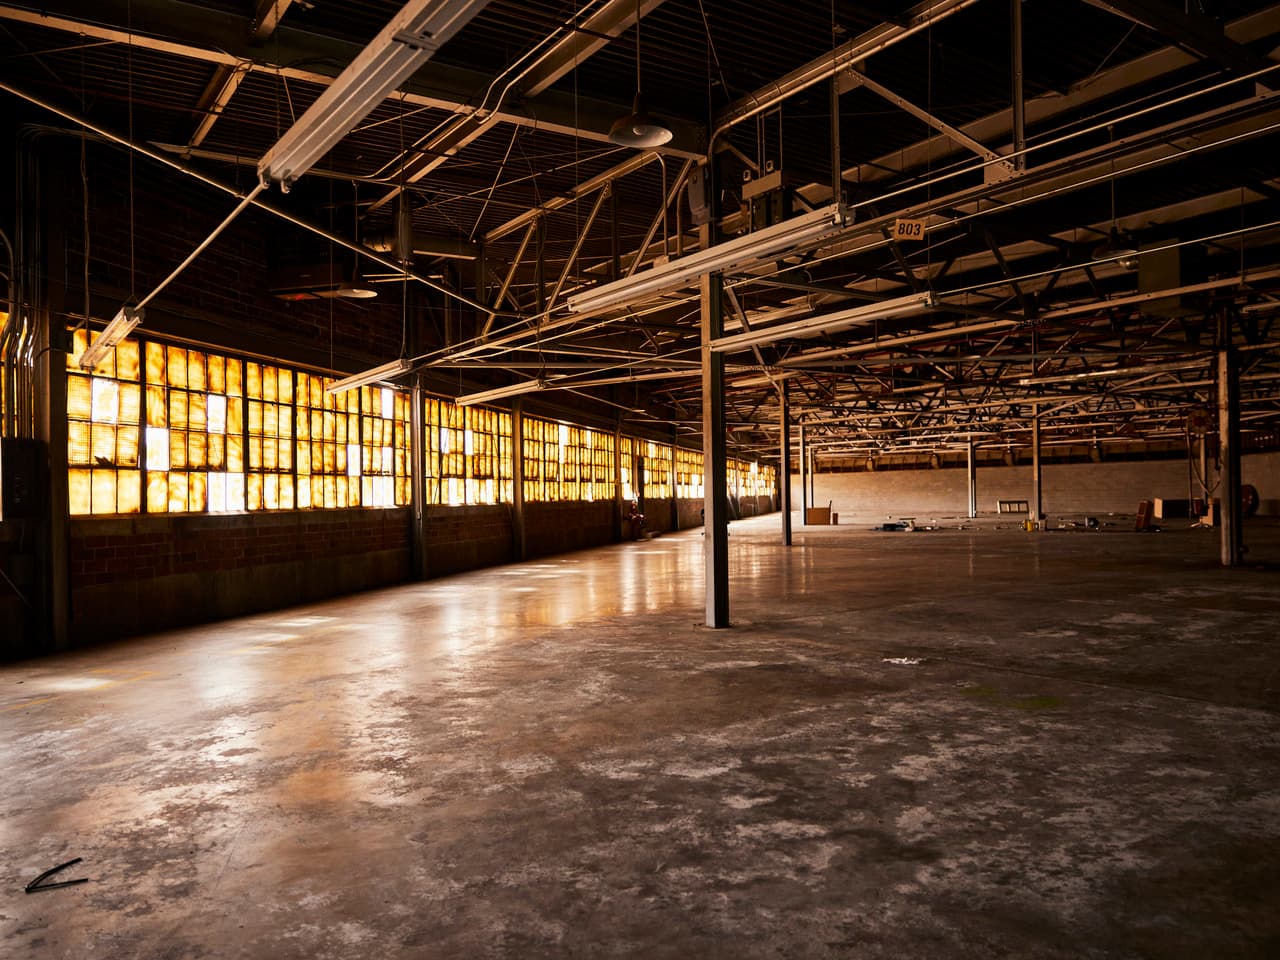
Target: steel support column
(1228, 373)
(715, 472)
(1037, 485)
(804, 482)
(519, 545)
(973, 481)
(784, 457)
(51, 406)
(675, 490)
(418, 481)
(617, 478)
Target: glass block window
(541, 460)
(657, 470)
(384, 447)
(627, 458)
(194, 437)
(269, 403)
(104, 411)
(564, 462)
(597, 465)
(327, 445)
(689, 474)
(469, 454)
(162, 429)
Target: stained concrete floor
(976, 743)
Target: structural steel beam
(267, 17)
(1001, 124)
(858, 79)
(920, 17)
(209, 35)
(611, 21)
(1188, 30)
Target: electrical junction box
(22, 486)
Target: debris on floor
(39, 883)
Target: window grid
(194, 437)
(104, 411)
(689, 474)
(627, 454)
(657, 471)
(468, 454)
(328, 445)
(384, 447)
(163, 429)
(566, 463)
(269, 437)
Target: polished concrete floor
(979, 743)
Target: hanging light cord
(637, 49)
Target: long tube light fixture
(121, 326)
(827, 322)
(733, 254)
(410, 39)
(570, 383)
(1137, 370)
(387, 371)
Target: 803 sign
(908, 229)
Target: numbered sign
(908, 229)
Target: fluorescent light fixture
(567, 382)
(1138, 370)
(410, 39)
(121, 326)
(827, 322)
(388, 371)
(749, 249)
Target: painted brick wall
(560, 527)
(467, 538)
(1069, 488)
(134, 575)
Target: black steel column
(804, 483)
(784, 456)
(1229, 446)
(1037, 484)
(973, 481)
(715, 500)
(519, 546)
(617, 478)
(418, 484)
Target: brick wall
(467, 538)
(134, 575)
(560, 527)
(1068, 488)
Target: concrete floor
(954, 744)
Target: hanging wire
(712, 59)
(133, 272)
(84, 194)
(404, 233)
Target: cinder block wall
(467, 538)
(1068, 488)
(139, 574)
(560, 527)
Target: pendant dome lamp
(638, 129)
(1118, 245)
